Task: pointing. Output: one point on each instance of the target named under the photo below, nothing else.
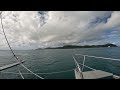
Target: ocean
(45, 61)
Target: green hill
(86, 46)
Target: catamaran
(79, 70)
(93, 73)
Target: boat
(78, 71)
(93, 73)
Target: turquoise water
(55, 60)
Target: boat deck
(97, 74)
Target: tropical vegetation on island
(85, 46)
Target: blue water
(55, 60)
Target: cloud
(19, 25)
(32, 29)
(73, 27)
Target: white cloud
(23, 28)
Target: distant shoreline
(55, 48)
(86, 46)
(68, 47)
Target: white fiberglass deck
(92, 74)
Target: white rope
(39, 73)
(88, 67)
(99, 57)
(57, 72)
(21, 74)
(31, 71)
(78, 67)
(75, 61)
(13, 51)
(83, 63)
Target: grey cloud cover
(32, 29)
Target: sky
(42, 29)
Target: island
(85, 46)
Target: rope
(99, 57)
(88, 67)
(39, 73)
(31, 71)
(6, 37)
(83, 63)
(20, 74)
(57, 72)
(75, 61)
(9, 72)
(13, 51)
(78, 67)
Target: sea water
(45, 61)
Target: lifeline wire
(13, 51)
